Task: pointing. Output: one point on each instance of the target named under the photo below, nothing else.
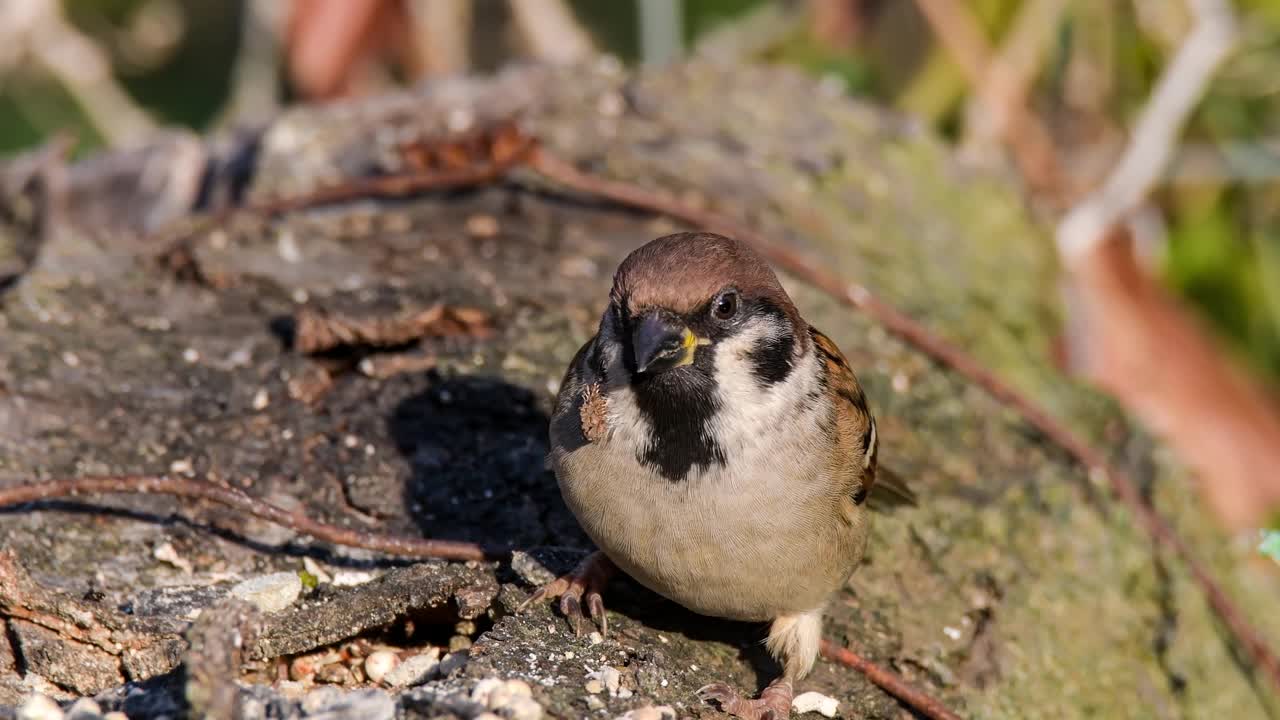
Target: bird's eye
(725, 307)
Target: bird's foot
(774, 702)
(588, 579)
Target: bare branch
(889, 682)
(1155, 136)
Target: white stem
(1155, 135)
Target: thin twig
(898, 323)
(1154, 139)
(243, 503)
(888, 681)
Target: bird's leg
(774, 702)
(794, 641)
(589, 579)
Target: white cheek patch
(751, 414)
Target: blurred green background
(1221, 205)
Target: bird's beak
(659, 343)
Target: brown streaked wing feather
(854, 461)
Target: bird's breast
(750, 538)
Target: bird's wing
(854, 460)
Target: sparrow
(717, 449)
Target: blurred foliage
(174, 57)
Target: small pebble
(610, 104)
(508, 692)
(191, 355)
(594, 703)
(460, 119)
(519, 688)
(414, 670)
(304, 667)
(270, 593)
(611, 678)
(483, 689)
(815, 702)
(487, 716)
(115, 715)
(379, 663)
(291, 689)
(523, 708)
(459, 642)
(901, 383)
(164, 552)
(261, 399)
(39, 707)
(334, 674)
(316, 570)
(347, 578)
(287, 247)
(454, 662)
(482, 226)
(182, 466)
(84, 709)
(595, 687)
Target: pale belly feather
(747, 545)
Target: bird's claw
(773, 704)
(588, 579)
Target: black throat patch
(679, 406)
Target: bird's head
(680, 300)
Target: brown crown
(684, 271)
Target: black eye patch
(772, 358)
